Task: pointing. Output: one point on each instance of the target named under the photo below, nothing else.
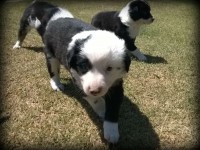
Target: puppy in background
(37, 15)
(126, 23)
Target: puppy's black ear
(135, 9)
(74, 52)
(71, 58)
(127, 61)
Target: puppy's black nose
(95, 91)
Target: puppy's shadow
(39, 49)
(4, 116)
(154, 59)
(136, 131)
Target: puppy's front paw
(111, 133)
(142, 58)
(57, 86)
(17, 45)
(139, 55)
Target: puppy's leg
(130, 44)
(23, 30)
(113, 100)
(53, 66)
(108, 109)
(98, 105)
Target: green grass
(161, 97)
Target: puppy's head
(96, 60)
(137, 11)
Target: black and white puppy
(126, 23)
(37, 15)
(97, 61)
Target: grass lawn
(160, 108)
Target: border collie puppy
(126, 23)
(37, 16)
(97, 61)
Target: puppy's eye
(109, 68)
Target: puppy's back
(106, 20)
(59, 34)
(64, 29)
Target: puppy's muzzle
(95, 91)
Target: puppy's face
(96, 60)
(139, 11)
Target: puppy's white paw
(142, 58)
(139, 55)
(57, 86)
(17, 45)
(111, 133)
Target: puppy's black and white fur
(126, 23)
(97, 61)
(37, 15)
